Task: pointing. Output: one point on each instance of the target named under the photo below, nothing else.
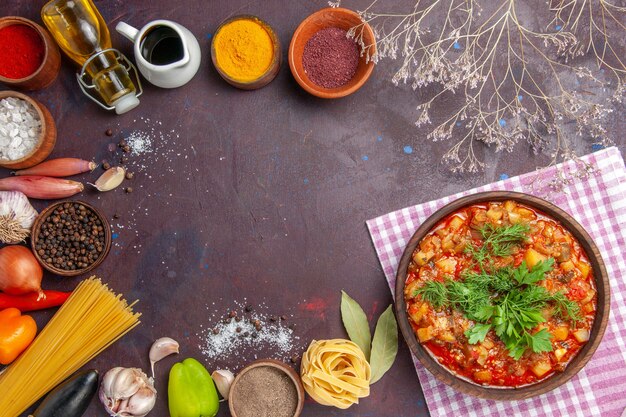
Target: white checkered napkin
(598, 202)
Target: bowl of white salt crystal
(27, 131)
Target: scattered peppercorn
(109, 132)
(216, 331)
(283, 317)
(126, 148)
(292, 326)
(273, 318)
(129, 190)
(129, 175)
(294, 358)
(226, 321)
(237, 319)
(232, 314)
(249, 308)
(71, 237)
(238, 329)
(122, 143)
(123, 160)
(116, 216)
(105, 165)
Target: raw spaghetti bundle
(335, 372)
(89, 321)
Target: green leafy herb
(524, 276)
(506, 300)
(477, 333)
(498, 241)
(384, 345)
(434, 292)
(355, 322)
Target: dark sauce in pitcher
(162, 46)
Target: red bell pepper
(33, 301)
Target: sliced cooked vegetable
(36, 186)
(71, 398)
(60, 167)
(20, 273)
(16, 333)
(33, 301)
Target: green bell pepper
(191, 390)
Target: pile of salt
(19, 128)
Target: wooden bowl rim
(273, 363)
(37, 227)
(505, 393)
(42, 135)
(318, 91)
(18, 20)
(269, 74)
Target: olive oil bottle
(82, 34)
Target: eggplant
(70, 398)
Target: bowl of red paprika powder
(325, 60)
(29, 59)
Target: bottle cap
(126, 103)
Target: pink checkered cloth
(598, 202)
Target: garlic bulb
(223, 379)
(161, 348)
(127, 392)
(16, 217)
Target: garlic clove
(140, 404)
(161, 348)
(108, 379)
(223, 379)
(111, 179)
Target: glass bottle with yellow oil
(82, 34)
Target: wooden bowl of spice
(27, 131)
(324, 60)
(71, 238)
(246, 52)
(29, 59)
(266, 388)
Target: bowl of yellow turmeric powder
(246, 52)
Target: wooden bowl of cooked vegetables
(502, 295)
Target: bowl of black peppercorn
(71, 238)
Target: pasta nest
(335, 372)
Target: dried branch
(518, 81)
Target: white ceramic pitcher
(185, 52)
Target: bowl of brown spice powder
(325, 60)
(266, 388)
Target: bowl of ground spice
(29, 59)
(324, 60)
(70, 238)
(27, 131)
(266, 388)
(246, 52)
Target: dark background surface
(257, 195)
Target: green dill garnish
(498, 241)
(507, 300)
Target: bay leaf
(384, 345)
(355, 322)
